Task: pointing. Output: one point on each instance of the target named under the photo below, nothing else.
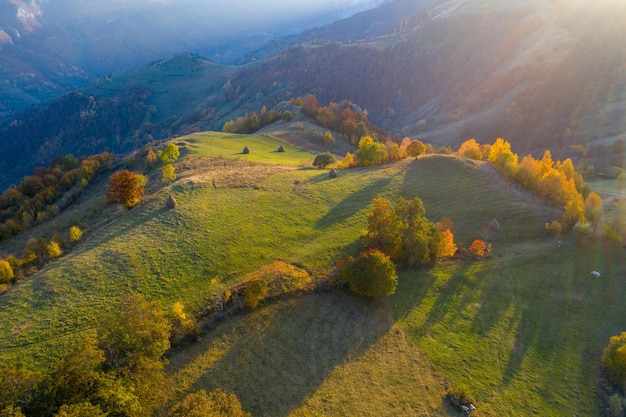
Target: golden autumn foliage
(470, 149)
(557, 181)
(273, 280)
(446, 247)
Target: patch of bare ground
(226, 173)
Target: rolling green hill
(523, 329)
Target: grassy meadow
(523, 329)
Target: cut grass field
(523, 329)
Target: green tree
(170, 153)
(168, 174)
(371, 274)
(328, 138)
(614, 360)
(216, 404)
(6, 272)
(76, 376)
(322, 160)
(370, 152)
(136, 333)
(54, 250)
(75, 234)
(12, 411)
(384, 229)
(126, 188)
(134, 339)
(415, 148)
(83, 409)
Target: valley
(229, 249)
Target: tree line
(116, 371)
(48, 191)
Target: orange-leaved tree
(478, 247)
(126, 188)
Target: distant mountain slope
(542, 74)
(49, 47)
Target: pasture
(523, 329)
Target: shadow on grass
(413, 286)
(279, 355)
(352, 203)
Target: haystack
(332, 173)
(494, 226)
(171, 202)
(281, 149)
(245, 151)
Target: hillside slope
(531, 306)
(553, 77)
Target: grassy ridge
(524, 329)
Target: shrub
(183, 326)
(583, 228)
(614, 359)
(478, 247)
(255, 292)
(612, 235)
(371, 274)
(6, 272)
(216, 404)
(168, 174)
(328, 138)
(75, 234)
(170, 153)
(274, 280)
(555, 228)
(54, 250)
(460, 395)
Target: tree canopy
(371, 274)
(404, 233)
(322, 160)
(125, 189)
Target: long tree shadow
(352, 203)
(278, 356)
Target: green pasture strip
(263, 149)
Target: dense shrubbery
(371, 274)
(614, 360)
(254, 121)
(405, 234)
(47, 192)
(215, 404)
(274, 280)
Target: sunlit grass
(523, 329)
(263, 149)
